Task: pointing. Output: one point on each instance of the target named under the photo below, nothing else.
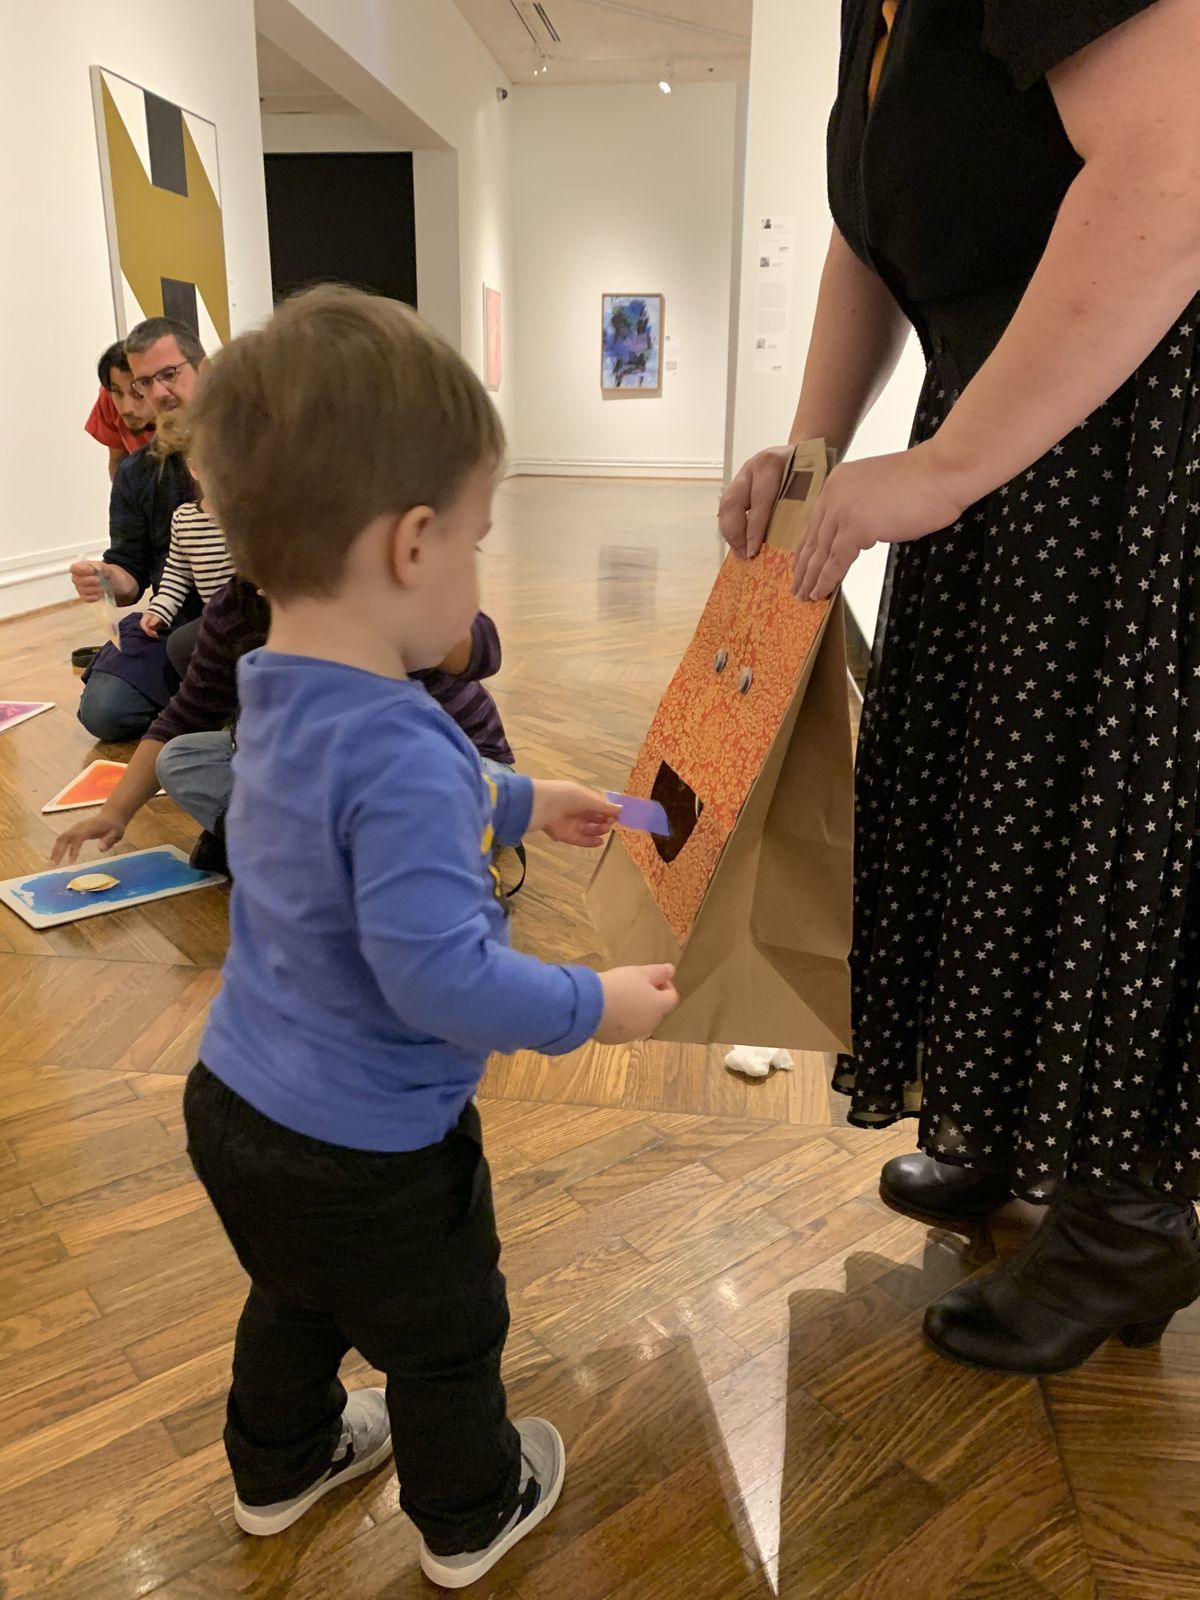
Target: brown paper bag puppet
(749, 753)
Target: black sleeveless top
(949, 184)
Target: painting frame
(164, 220)
(655, 309)
(493, 339)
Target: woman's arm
(858, 335)
(1123, 260)
(1121, 265)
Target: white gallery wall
(793, 80)
(621, 190)
(54, 265)
(420, 74)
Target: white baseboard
(39, 578)
(611, 467)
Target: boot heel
(1140, 1335)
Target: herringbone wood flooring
(708, 1297)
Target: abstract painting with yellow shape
(162, 206)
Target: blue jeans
(196, 771)
(113, 711)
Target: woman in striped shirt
(198, 557)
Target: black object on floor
(208, 853)
(82, 658)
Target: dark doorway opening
(346, 218)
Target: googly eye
(720, 660)
(745, 680)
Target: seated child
(197, 558)
(369, 976)
(188, 750)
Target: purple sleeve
(485, 649)
(483, 662)
(206, 700)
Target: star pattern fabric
(1027, 906)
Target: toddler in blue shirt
(369, 974)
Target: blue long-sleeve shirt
(369, 974)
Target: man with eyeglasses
(125, 689)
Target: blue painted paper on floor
(142, 876)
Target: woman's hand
(151, 624)
(883, 500)
(571, 814)
(747, 504)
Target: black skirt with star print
(1027, 905)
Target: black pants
(180, 644)
(394, 1255)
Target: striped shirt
(197, 559)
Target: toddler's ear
(405, 538)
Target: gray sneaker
(366, 1443)
(544, 1466)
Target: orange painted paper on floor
(92, 787)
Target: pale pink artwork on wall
(491, 336)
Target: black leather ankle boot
(933, 1192)
(208, 852)
(1121, 1259)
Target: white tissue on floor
(756, 1061)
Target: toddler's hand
(151, 623)
(636, 999)
(572, 814)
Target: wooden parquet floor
(708, 1296)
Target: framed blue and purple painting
(631, 345)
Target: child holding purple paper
(369, 976)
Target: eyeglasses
(165, 375)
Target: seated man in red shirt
(121, 419)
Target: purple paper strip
(643, 816)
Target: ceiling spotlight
(664, 86)
(668, 78)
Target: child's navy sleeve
(419, 833)
(127, 539)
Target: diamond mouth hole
(683, 807)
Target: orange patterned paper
(716, 724)
(92, 787)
